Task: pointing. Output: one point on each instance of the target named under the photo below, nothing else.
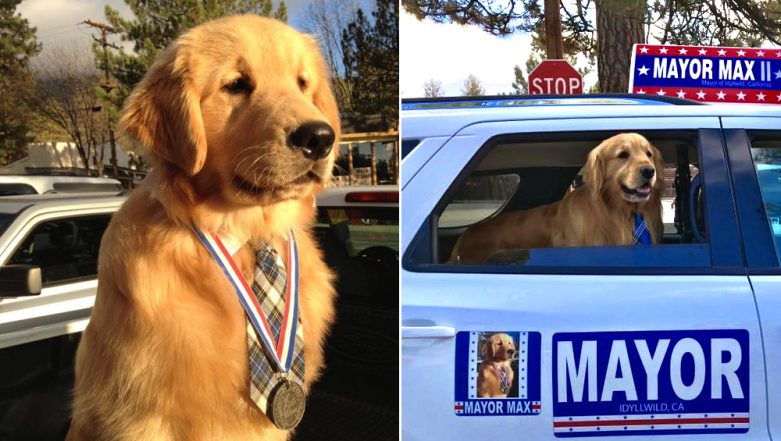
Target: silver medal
(286, 404)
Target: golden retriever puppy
(623, 176)
(239, 121)
(495, 375)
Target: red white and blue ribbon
(281, 351)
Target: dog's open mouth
(248, 187)
(640, 193)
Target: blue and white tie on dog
(641, 236)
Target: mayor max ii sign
(707, 74)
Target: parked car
(681, 338)
(49, 247)
(48, 278)
(32, 184)
(357, 396)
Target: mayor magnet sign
(707, 74)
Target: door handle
(427, 332)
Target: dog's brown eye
(302, 83)
(239, 85)
(649, 154)
(623, 155)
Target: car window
(518, 173)
(361, 244)
(5, 220)
(407, 146)
(766, 153)
(479, 198)
(65, 249)
(16, 189)
(75, 187)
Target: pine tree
(17, 45)
(521, 85)
(472, 87)
(371, 62)
(156, 24)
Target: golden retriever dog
(239, 121)
(623, 176)
(495, 375)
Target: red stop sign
(555, 77)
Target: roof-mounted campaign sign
(707, 74)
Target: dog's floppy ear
(595, 171)
(164, 114)
(324, 100)
(488, 349)
(659, 166)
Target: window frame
(758, 242)
(725, 254)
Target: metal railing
(370, 158)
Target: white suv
(52, 242)
(682, 338)
(31, 184)
(48, 279)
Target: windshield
(362, 245)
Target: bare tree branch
(66, 95)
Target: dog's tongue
(644, 190)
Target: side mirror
(20, 280)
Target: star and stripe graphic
(707, 74)
(651, 424)
(524, 396)
(536, 407)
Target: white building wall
(60, 155)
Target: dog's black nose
(647, 172)
(314, 138)
(510, 351)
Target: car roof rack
(453, 102)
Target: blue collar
(641, 236)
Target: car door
(754, 146)
(65, 245)
(621, 341)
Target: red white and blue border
(651, 424)
(701, 73)
(524, 397)
(650, 382)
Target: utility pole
(106, 85)
(554, 45)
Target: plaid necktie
(269, 288)
(641, 234)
